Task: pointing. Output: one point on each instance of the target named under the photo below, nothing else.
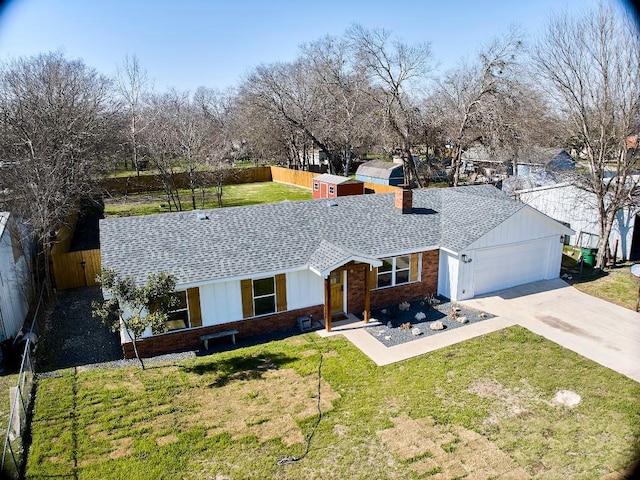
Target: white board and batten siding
(569, 204)
(304, 289)
(525, 248)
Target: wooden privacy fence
(152, 182)
(76, 269)
(294, 177)
(305, 180)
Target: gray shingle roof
(335, 179)
(246, 241)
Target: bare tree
(58, 123)
(590, 66)
(469, 96)
(131, 84)
(394, 69)
(347, 114)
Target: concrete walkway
(355, 331)
(594, 328)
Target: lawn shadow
(240, 367)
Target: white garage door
(508, 266)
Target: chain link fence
(20, 396)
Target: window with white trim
(331, 189)
(394, 271)
(316, 186)
(264, 296)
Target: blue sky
(214, 43)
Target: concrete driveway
(596, 329)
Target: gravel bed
(390, 332)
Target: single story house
(15, 277)
(332, 186)
(538, 160)
(383, 173)
(258, 269)
(577, 208)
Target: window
(264, 296)
(178, 316)
(331, 189)
(395, 271)
(316, 186)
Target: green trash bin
(589, 256)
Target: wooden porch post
(327, 303)
(367, 295)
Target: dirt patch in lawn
(267, 407)
(447, 451)
(507, 402)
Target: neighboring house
(15, 277)
(383, 173)
(539, 160)
(479, 159)
(331, 186)
(257, 269)
(577, 208)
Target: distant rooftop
(335, 179)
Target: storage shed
(384, 173)
(331, 186)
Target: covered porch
(332, 263)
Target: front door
(337, 292)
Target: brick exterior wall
(385, 297)
(190, 338)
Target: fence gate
(76, 269)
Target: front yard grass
(481, 409)
(233, 195)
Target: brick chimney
(404, 199)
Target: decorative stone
(436, 325)
(462, 320)
(420, 316)
(388, 337)
(389, 324)
(384, 311)
(404, 306)
(416, 331)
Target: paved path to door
(596, 329)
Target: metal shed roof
(380, 169)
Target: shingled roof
(243, 242)
(335, 179)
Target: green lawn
(484, 406)
(233, 195)
(615, 285)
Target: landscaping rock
(415, 332)
(436, 325)
(462, 320)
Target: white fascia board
(272, 273)
(448, 250)
(374, 262)
(408, 252)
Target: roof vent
(332, 203)
(201, 216)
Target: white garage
(525, 248)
